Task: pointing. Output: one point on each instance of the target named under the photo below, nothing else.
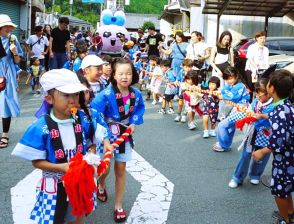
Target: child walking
(171, 88)
(34, 73)
(256, 138)
(92, 70)
(123, 107)
(210, 107)
(281, 143)
(186, 67)
(57, 137)
(191, 98)
(155, 83)
(236, 92)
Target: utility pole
(52, 12)
(70, 7)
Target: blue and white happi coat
(105, 102)
(40, 148)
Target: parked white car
(283, 62)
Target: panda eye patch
(106, 34)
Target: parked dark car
(276, 46)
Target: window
(287, 44)
(272, 45)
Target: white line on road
(151, 205)
(153, 202)
(23, 197)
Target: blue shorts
(123, 157)
(69, 216)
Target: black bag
(198, 64)
(223, 66)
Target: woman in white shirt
(197, 50)
(222, 56)
(257, 60)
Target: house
(134, 21)
(211, 17)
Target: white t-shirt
(196, 49)
(39, 45)
(260, 56)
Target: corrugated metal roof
(267, 8)
(135, 20)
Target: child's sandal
(120, 215)
(102, 196)
(4, 142)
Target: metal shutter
(12, 9)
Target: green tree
(146, 25)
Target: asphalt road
(200, 175)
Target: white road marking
(151, 205)
(153, 202)
(23, 197)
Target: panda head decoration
(112, 30)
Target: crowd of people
(70, 70)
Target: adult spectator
(179, 52)
(97, 43)
(152, 42)
(197, 50)
(257, 60)
(73, 34)
(222, 56)
(47, 32)
(59, 44)
(10, 52)
(141, 40)
(37, 45)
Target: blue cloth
(261, 140)
(170, 77)
(77, 64)
(236, 93)
(281, 143)
(58, 60)
(105, 102)
(256, 169)
(68, 65)
(9, 104)
(176, 52)
(41, 147)
(225, 133)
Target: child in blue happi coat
(170, 89)
(57, 137)
(236, 92)
(123, 107)
(281, 143)
(256, 137)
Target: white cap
(63, 80)
(6, 21)
(92, 60)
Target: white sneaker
(191, 126)
(212, 133)
(161, 111)
(183, 119)
(233, 184)
(205, 134)
(154, 102)
(178, 118)
(171, 111)
(160, 99)
(254, 182)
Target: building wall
(246, 26)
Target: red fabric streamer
(247, 120)
(79, 185)
(79, 181)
